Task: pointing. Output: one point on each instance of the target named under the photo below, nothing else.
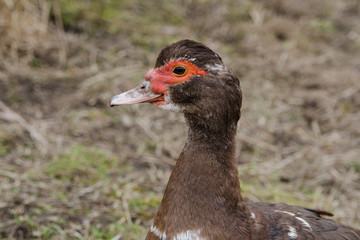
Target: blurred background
(72, 168)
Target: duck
(203, 200)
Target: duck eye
(179, 70)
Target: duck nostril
(142, 87)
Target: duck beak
(139, 94)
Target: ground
(73, 168)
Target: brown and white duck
(202, 200)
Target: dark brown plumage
(202, 199)
(188, 49)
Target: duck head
(188, 77)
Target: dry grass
(71, 168)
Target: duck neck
(204, 187)
(210, 149)
(209, 158)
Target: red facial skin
(163, 76)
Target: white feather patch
(292, 232)
(291, 214)
(301, 220)
(214, 67)
(304, 223)
(189, 235)
(169, 106)
(158, 233)
(187, 58)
